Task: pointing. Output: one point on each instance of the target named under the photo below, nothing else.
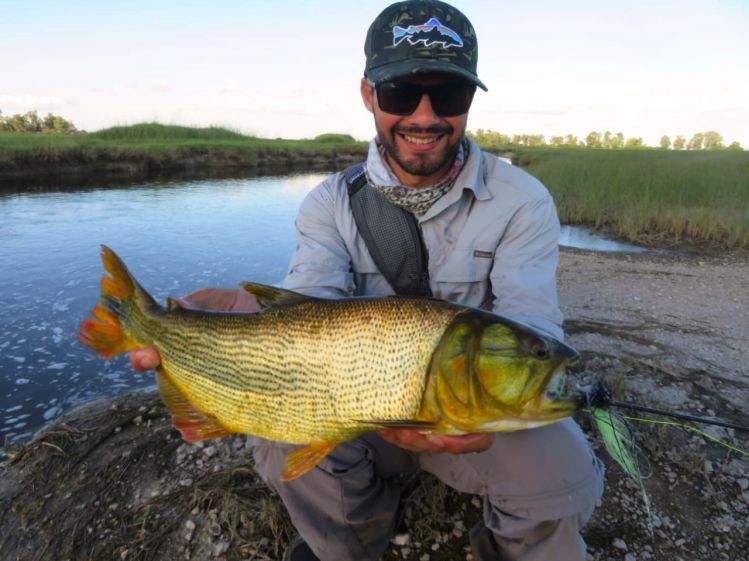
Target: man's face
(421, 146)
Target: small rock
(743, 483)
(209, 451)
(189, 530)
(220, 548)
(620, 544)
(400, 539)
(424, 557)
(630, 557)
(138, 420)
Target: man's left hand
(415, 441)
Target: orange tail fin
(104, 332)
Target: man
(490, 232)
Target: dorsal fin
(269, 296)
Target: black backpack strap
(391, 234)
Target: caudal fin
(104, 332)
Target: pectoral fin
(402, 424)
(186, 418)
(301, 460)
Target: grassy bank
(649, 196)
(151, 146)
(644, 196)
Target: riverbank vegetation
(646, 195)
(140, 149)
(30, 122)
(649, 196)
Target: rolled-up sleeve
(320, 265)
(523, 275)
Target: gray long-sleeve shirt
(492, 242)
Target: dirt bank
(112, 481)
(122, 166)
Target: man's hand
(214, 299)
(414, 441)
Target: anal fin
(301, 460)
(186, 418)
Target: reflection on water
(176, 237)
(584, 238)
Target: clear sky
(291, 68)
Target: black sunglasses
(402, 98)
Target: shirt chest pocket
(463, 277)
(464, 265)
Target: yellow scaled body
(319, 372)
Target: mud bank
(112, 480)
(114, 167)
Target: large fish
(319, 372)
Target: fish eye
(540, 350)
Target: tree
(634, 143)
(734, 146)
(30, 122)
(571, 140)
(697, 142)
(679, 143)
(593, 140)
(665, 142)
(713, 140)
(556, 141)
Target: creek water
(176, 237)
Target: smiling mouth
(420, 141)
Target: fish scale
(320, 376)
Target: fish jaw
(491, 374)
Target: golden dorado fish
(319, 372)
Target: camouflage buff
(421, 36)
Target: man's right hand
(213, 299)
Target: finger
(463, 444)
(145, 359)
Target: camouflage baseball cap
(421, 36)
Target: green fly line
(687, 426)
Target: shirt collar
(471, 177)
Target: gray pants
(539, 487)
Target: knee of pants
(344, 485)
(558, 476)
(539, 474)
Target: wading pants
(538, 488)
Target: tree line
(709, 140)
(31, 122)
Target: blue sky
(291, 68)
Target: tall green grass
(160, 146)
(151, 131)
(649, 196)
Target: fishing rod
(598, 394)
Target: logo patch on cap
(432, 32)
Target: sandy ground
(113, 481)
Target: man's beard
(420, 166)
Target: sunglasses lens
(398, 99)
(452, 100)
(447, 100)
